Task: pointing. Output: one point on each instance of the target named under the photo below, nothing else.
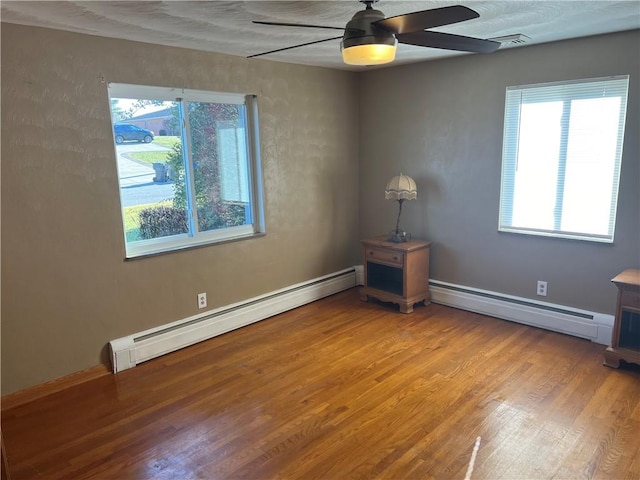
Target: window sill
(190, 246)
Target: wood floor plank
(344, 389)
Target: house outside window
(562, 152)
(199, 181)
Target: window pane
(537, 165)
(591, 157)
(219, 156)
(147, 142)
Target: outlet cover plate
(202, 300)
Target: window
(188, 166)
(561, 156)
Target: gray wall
(441, 123)
(66, 291)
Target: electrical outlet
(542, 288)
(202, 300)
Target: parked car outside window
(125, 132)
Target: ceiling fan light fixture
(369, 53)
(364, 43)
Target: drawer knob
(395, 258)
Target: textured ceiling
(225, 26)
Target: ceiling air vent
(515, 39)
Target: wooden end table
(396, 272)
(625, 341)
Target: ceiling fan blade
(436, 17)
(297, 25)
(294, 46)
(448, 41)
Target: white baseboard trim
(129, 351)
(593, 326)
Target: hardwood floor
(345, 389)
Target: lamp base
(399, 236)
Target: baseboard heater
(129, 351)
(596, 327)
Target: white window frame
(195, 238)
(614, 86)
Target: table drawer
(384, 256)
(630, 299)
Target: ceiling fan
(371, 39)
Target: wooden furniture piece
(396, 272)
(625, 341)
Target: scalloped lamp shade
(401, 188)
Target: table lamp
(400, 188)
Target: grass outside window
(160, 156)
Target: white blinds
(562, 150)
